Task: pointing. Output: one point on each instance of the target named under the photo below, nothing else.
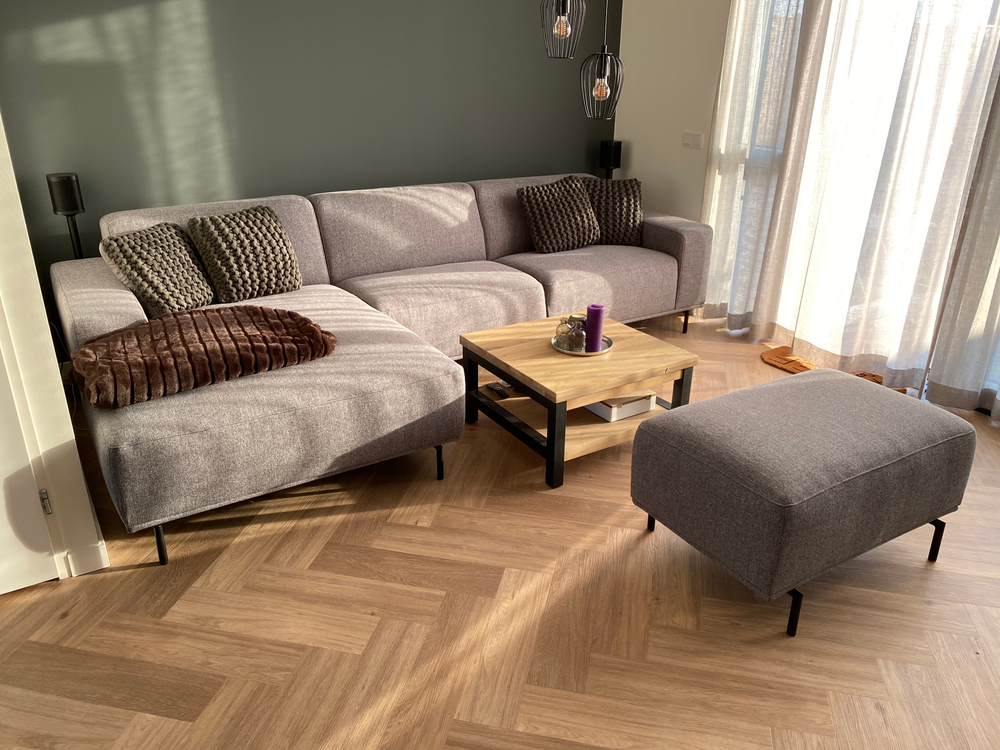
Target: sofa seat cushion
(383, 392)
(780, 482)
(633, 283)
(440, 303)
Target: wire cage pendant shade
(601, 78)
(562, 26)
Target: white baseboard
(85, 560)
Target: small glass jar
(562, 334)
(577, 336)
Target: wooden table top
(524, 350)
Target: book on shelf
(623, 407)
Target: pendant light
(601, 78)
(562, 26)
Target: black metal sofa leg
(440, 461)
(161, 544)
(687, 316)
(793, 615)
(938, 525)
(650, 523)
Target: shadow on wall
(22, 517)
(162, 53)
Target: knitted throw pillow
(559, 215)
(618, 207)
(160, 267)
(246, 254)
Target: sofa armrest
(91, 300)
(691, 244)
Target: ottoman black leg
(440, 461)
(936, 541)
(161, 544)
(650, 524)
(793, 615)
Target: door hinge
(43, 495)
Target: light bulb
(602, 90)
(562, 28)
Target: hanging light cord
(606, 2)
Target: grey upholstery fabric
(381, 394)
(440, 303)
(160, 266)
(504, 223)
(295, 212)
(559, 215)
(390, 229)
(783, 481)
(247, 254)
(91, 300)
(632, 283)
(691, 244)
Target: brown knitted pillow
(246, 254)
(618, 207)
(559, 215)
(160, 267)
(180, 351)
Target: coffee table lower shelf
(585, 431)
(546, 385)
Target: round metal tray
(607, 343)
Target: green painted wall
(180, 101)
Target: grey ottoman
(780, 482)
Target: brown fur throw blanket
(184, 350)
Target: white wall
(33, 372)
(672, 50)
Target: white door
(25, 550)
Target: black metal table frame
(552, 446)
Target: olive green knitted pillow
(246, 254)
(618, 207)
(559, 215)
(159, 265)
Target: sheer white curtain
(965, 371)
(748, 143)
(847, 136)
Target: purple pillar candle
(595, 328)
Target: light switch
(692, 140)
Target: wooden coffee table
(547, 413)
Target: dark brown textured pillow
(617, 205)
(160, 267)
(246, 254)
(559, 215)
(180, 351)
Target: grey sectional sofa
(397, 274)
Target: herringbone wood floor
(383, 609)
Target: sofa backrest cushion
(391, 229)
(504, 223)
(295, 213)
